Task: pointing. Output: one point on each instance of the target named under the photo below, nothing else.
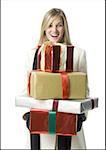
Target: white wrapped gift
(71, 106)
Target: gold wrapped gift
(47, 85)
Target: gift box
(47, 85)
(78, 106)
(51, 122)
(55, 57)
(68, 106)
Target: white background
(20, 28)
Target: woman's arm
(28, 67)
(82, 66)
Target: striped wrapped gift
(55, 58)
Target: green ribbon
(52, 122)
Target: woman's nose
(54, 28)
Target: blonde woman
(54, 28)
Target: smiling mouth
(54, 36)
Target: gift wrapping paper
(44, 122)
(70, 106)
(54, 58)
(47, 85)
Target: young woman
(54, 28)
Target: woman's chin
(54, 41)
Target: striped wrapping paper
(55, 58)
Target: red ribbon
(65, 85)
(55, 105)
(48, 57)
(39, 60)
(29, 79)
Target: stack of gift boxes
(55, 81)
(56, 94)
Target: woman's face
(55, 31)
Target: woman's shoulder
(32, 51)
(76, 48)
(30, 54)
(79, 49)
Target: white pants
(48, 141)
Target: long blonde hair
(47, 20)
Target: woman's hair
(49, 17)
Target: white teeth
(54, 35)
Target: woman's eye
(60, 25)
(50, 25)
